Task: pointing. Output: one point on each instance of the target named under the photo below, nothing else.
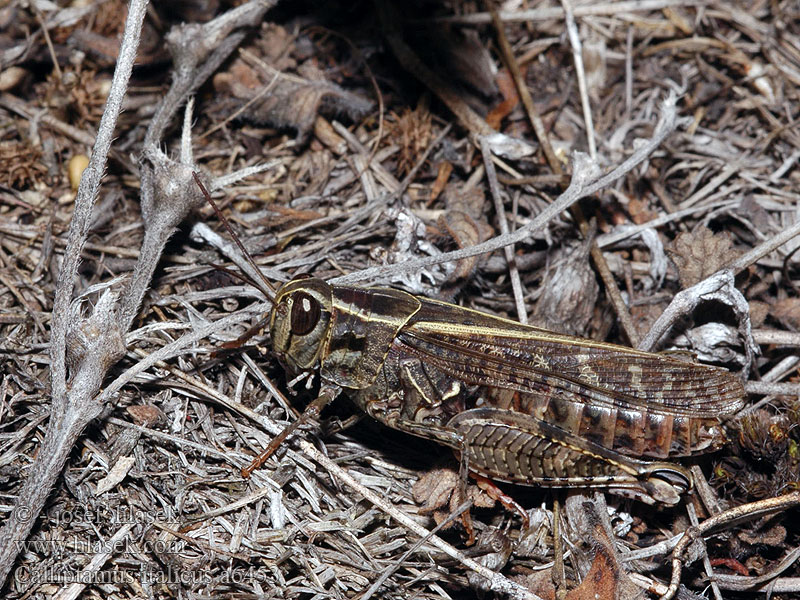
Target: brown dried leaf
(267, 93)
(538, 582)
(787, 311)
(433, 489)
(290, 103)
(601, 581)
(700, 253)
(443, 173)
(462, 57)
(606, 578)
(115, 476)
(464, 222)
(145, 414)
(436, 491)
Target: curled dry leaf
(606, 578)
(466, 224)
(787, 311)
(700, 253)
(434, 491)
(273, 87)
(569, 292)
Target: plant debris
(353, 140)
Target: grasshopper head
(299, 322)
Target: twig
(718, 286)
(760, 251)
(75, 407)
(772, 388)
(418, 544)
(585, 182)
(110, 547)
(389, 19)
(92, 345)
(704, 551)
(728, 518)
(494, 188)
(577, 58)
(523, 91)
(588, 10)
(753, 584)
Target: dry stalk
(83, 349)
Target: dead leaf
(732, 564)
(700, 253)
(117, 473)
(569, 292)
(146, 415)
(435, 491)
(269, 86)
(606, 579)
(538, 582)
(787, 311)
(465, 223)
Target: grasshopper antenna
(268, 289)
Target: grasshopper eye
(305, 313)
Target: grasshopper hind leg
(508, 446)
(456, 441)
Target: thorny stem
(72, 409)
(93, 345)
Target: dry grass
(159, 469)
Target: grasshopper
(517, 403)
(521, 404)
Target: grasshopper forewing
(523, 404)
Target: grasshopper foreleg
(326, 395)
